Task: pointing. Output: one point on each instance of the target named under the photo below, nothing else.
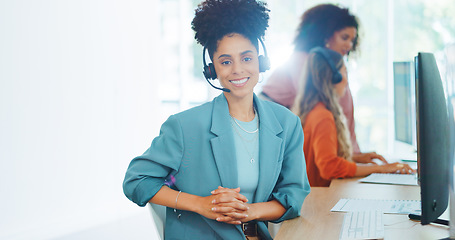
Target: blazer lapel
(223, 144)
(269, 151)
(223, 149)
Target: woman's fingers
(225, 190)
(235, 215)
(380, 157)
(233, 218)
(226, 195)
(228, 199)
(230, 207)
(374, 155)
(229, 220)
(403, 168)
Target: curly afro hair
(319, 23)
(216, 18)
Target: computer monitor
(404, 105)
(433, 143)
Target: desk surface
(318, 222)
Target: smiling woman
(228, 157)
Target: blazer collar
(223, 147)
(267, 117)
(220, 116)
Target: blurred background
(85, 86)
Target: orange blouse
(320, 148)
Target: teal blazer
(196, 150)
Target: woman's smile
(239, 82)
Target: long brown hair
(316, 86)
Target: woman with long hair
(327, 146)
(332, 27)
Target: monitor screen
(433, 144)
(404, 104)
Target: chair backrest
(274, 228)
(159, 217)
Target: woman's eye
(247, 59)
(226, 62)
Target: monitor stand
(451, 211)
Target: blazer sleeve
(292, 186)
(146, 174)
(325, 152)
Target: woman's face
(342, 41)
(236, 65)
(340, 88)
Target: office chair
(273, 228)
(159, 218)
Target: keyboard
(362, 225)
(391, 178)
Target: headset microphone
(222, 89)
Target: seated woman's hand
(368, 157)
(231, 204)
(224, 205)
(397, 168)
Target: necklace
(251, 132)
(242, 137)
(245, 140)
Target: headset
(324, 52)
(209, 70)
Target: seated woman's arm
(207, 206)
(145, 178)
(364, 170)
(332, 166)
(367, 157)
(325, 146)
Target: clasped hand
(226, 205)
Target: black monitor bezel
(432, 138)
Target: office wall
(77, 103)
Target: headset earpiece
(337, 77)
(209, 71)
(264, 63)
